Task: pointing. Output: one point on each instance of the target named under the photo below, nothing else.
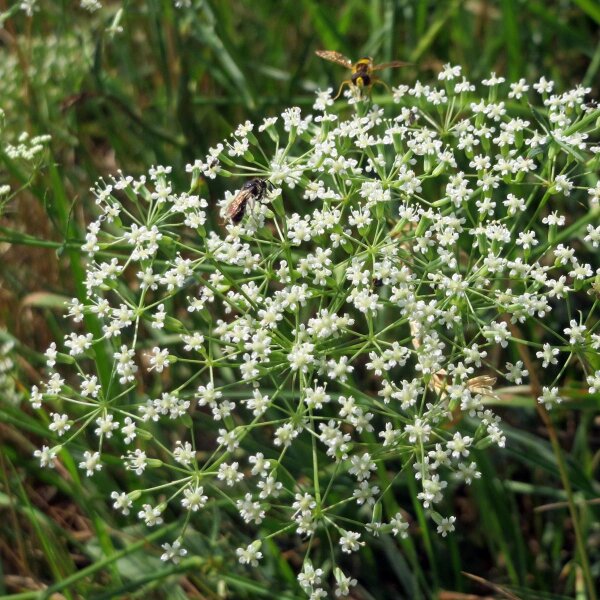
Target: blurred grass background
(172, 84)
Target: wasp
(251, 192)
(362, 70)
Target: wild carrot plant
(350, 330)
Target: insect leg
(383, 83)
(345, 82)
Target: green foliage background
(171, 85)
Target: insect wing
(394, 64)
(336, 57)
(235, 209)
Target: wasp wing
(394, 64)
(335, 57)
(235, 209)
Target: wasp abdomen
(361, 79)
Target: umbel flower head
(348, 330)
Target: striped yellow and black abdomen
(361, 72)
(361, 79)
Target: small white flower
(151, 515)
(60, 423)
(229, 473)
(516, 372)
(548, 355)
(91, 462)
(449, 72)
(549, 397)
(46, 456)
(122, 502)
(446, 526)
(159, 359)
(543, 86)
(51, 354)
(251, 554)
(173, 552)
(594, 382)
(349, 541)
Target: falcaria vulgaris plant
(350, 330)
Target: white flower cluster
(91, 5)
(30, 7)
(27, 150)
(8, 379)
(337, 331)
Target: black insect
(251, 191)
